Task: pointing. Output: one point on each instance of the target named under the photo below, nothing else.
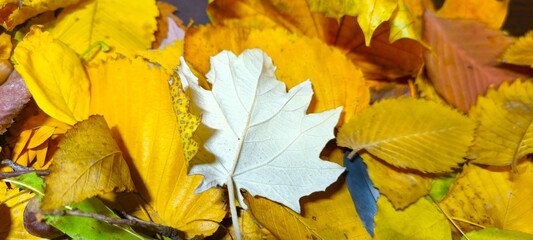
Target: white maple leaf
(258, 133)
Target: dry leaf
(462, 64)
(336, 81)
(136, 102)
(88, 22)
(13, 96)
(492, 197)
(426, 136)
(422, 220)
(370, 14)
(258, 134)
(11, 15)
(87, 163)
(521, 52)
(54, 75)
(505, 131)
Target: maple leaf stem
(233, 208)
(131, 221)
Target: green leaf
(29, 181)
(497, 234)
(89, 228)
(440, 187)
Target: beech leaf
(87, 163)
(260, 135)
(426, 136)
(463, 62)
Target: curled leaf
(87, 163)
(11, 15)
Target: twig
(166, 231)
(19, 170)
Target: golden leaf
(410, 133)
(402, 187)
(325, 215)
(54, 75)
(11, 15)
(422, 220)
(521, 52)
(87, 163)
(5, 46)
(168, 57)
(492, 197)
(135, 100)
(505, 131)
(336, 81)
(491, 13)
(88, 22)
(370, 13)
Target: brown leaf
(87, 163)
(13, 96)
(463, 61)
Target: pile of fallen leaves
(114, 110)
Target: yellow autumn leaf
(410, 133)
(12, 15)
(521, 52)
(402, 187)
(135, 100)
(421, 220)
(492, 197)
(126, 26)
(505, 131)
(294, 15)
(12, 204)
(404, 24)
(5, 53)
(336, 81)
(250, 229)
(87, 163)
(491, 13)
(325, 215)
(54, 75)
(168, 57)
(370, 13)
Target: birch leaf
(262, 138)
(505, 131)
(54, 75)
(521, 52)
(426, 136)
(84, 24)
(463, 61)
(87, 163)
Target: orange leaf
(135, 100)
(491, 13)
(336, 81)
(11, 15)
